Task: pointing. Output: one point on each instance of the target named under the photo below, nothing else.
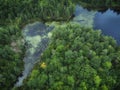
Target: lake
(108, 22)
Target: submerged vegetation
(78, 58)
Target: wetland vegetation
(77, 57)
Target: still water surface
(108, 22)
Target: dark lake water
(108, 22)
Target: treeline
(47, 10)
(101, 5)
(77, 58)
(110, 3)
(42, 9)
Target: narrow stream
(36, 37)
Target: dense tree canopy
(77, 58)
(112, 3)
(101, 5)
(11, 55)
(31, 9)
(47, 9)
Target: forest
(76, 58)
(73, 62)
